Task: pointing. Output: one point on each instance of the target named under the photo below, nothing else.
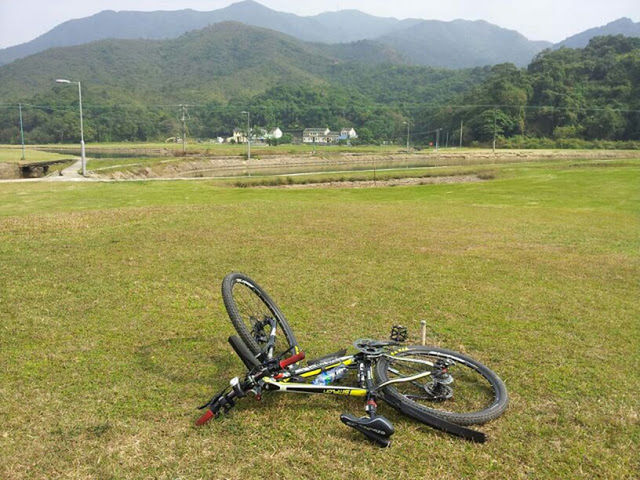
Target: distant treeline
(567, 96)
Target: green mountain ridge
(217, 63)
(132, 90)
(622, 26)
(473, 44)
(443, 41)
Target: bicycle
(441, 388)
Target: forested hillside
(590, 93)
(133, 90)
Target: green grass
(14, 155)
(113, 328)
(227, 149)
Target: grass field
(14, 155)
(226, 149)
(113, 328)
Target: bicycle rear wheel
(469, 393)
(251, 311)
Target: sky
(552, 20)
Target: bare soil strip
(199, 166)
(380, 183)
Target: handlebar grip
(293, 359)
(208, 415)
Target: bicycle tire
(247, 357)
(490, 405)
(246, 302)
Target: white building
(324, 135)
(275, 134)
(348, 134)
(315, 135)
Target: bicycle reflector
(399, 333)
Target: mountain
(220, 62)
(622, 26)
(131, 87)
(462, 43)
(457, 44)
(160, 25)
(352, 25)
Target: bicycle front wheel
(252, 311)
(458, 389)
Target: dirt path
(71, 173)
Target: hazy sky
(553, 20)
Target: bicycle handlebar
(227, 401)
(208, 415)
(291, 360)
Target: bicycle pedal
(377, 429)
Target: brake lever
(214, 399)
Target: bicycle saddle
(377, 428)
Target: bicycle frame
(281, 381)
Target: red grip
(208, 415)
(288, 361)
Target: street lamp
(84, 159)
(248, 135)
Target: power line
(332, 109)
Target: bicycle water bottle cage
(399, 333)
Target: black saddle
(378, 429)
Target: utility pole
(184, 129)
(495, 128)
(83, 155)
(407, 123)
(461, 126)
(21, 130)
(248, 135)
(446, 145)
(437, 137)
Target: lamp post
(21, 130)
(248, 135)
(82, 153)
